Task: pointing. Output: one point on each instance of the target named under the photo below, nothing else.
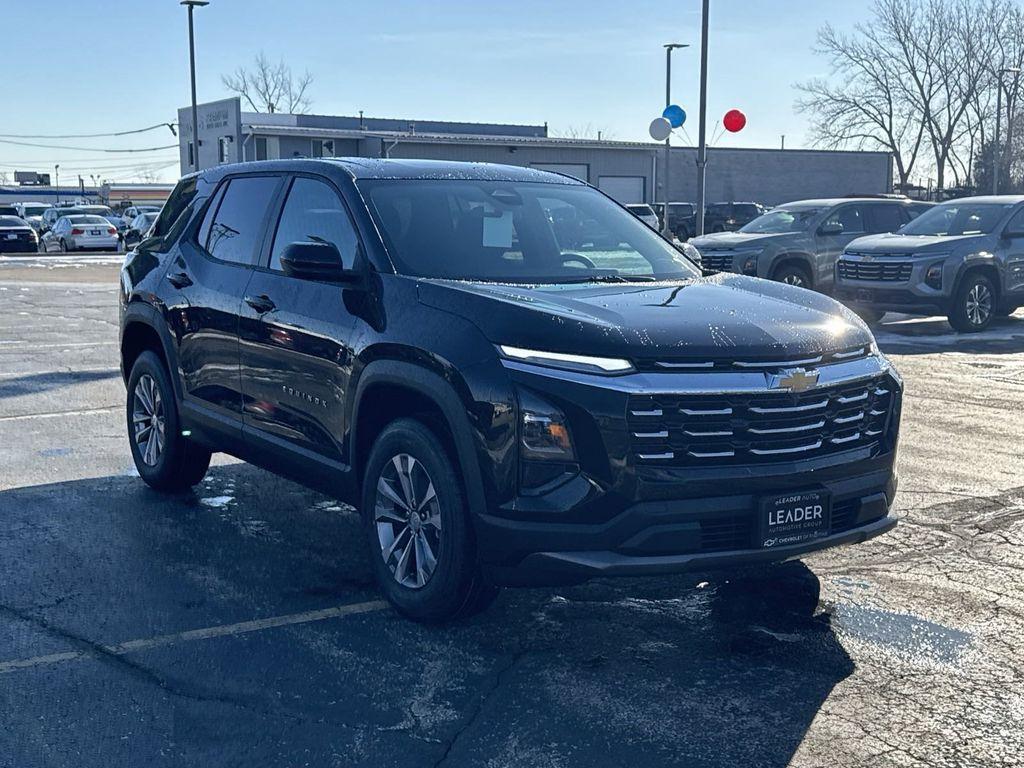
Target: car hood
(723, 240)
(722, 317)
(910, 245)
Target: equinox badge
(794, 380)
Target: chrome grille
(716, 261)
(757, 428)
(887, 271)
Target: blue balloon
(675, 114)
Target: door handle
(179, 280)
(261, 304)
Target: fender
(438, 391)
(981, 260)
(142, 312)
(802, 256)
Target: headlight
(565, 361)
(544, 433)
(933, 276)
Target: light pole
(669, 47)
(999, 114)
(702, 145)
(56, 182)
(192, 5)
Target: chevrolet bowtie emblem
(795, 380)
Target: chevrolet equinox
(513, 379)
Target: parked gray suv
(799, 243)
(963, 259)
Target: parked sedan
(132, 212)
(80, 233)
(645, 213)
(32, 213)
(140, 225)
(16, 235)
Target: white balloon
(660, 129)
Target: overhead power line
(87, 135)
(87, 148)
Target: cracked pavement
(904, 651)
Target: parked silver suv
(798, 243)
(963, 259)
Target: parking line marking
(67, 345)
(56, 414)
(206, 633)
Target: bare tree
(584, 131)
(919, 75)
(5, 178)
(864, 107)
(269, 87)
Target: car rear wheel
(63, 246)
(792, 274)
(974, 304)
(418, 529)
(166, 459)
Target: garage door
(625, 189)
(569, 169)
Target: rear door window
(851, 217)
(235, 232)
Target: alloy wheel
(793, 279)
(979, 304)
(148, 420)
(407, 514)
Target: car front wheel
(418, 528)
(791, 274)
(974, 304)
(166, 459)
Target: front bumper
(913, 295)
(665, 537)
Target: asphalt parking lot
(239, 625)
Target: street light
(192, 5)
(1009, 122)
(669, 47)
(56, 182)
(702, 144)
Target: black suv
(506, 401)
(728, 217)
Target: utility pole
(56, 182)
(783, 141)
(192, 4)
(702, 146)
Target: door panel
(297, 334)
(1011, 253)
(205, 293)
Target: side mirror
(830, 229)
(315, 261)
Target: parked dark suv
(504, 404)
(728, 217)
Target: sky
(571, 63)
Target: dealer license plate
(794, 518)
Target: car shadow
(696, 670)
(34, 383)
(908, 335)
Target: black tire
(454, 587)
(974, 303)
(179, 463)
(63, 246)
(869, 316)
(793, 274)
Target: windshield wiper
(612, 279)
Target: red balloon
(734, 121)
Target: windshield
(782, 220)
(12, 221)
(87, 220)
(957, 218)
(516, 232)
(34, 210)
